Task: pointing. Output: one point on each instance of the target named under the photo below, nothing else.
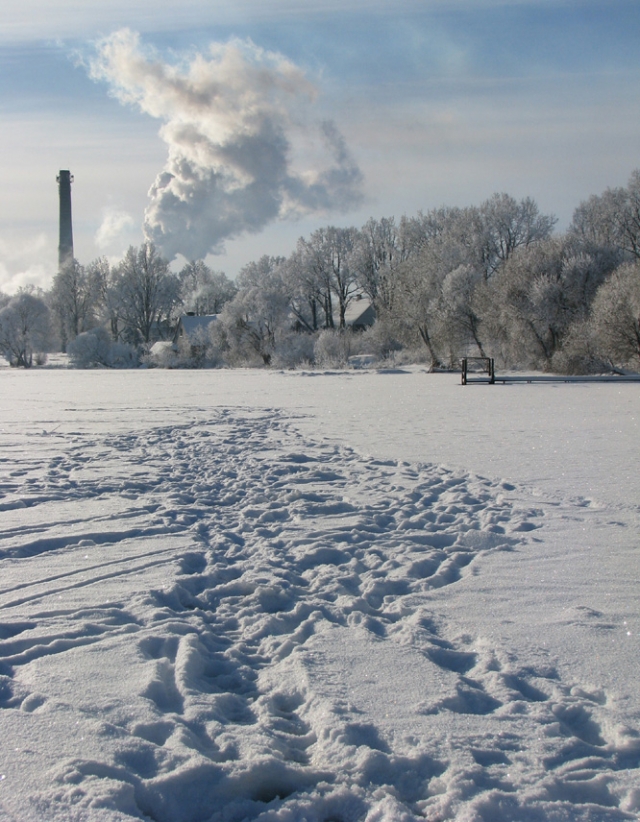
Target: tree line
(490, 280)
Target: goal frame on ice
(482, 369)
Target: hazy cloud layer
(243, 149)
(17, 266)
(26, 19)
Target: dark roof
(359, 312)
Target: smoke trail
(235, 122)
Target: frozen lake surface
(365, 595)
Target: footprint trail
(238, 623)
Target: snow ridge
(229, 621)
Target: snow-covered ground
(233, 595)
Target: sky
(226, 130)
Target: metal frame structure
(482, 366)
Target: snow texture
(248, 595)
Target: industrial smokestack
(65, 246)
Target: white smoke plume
(237, 124)
(115, 223)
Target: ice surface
(233, 595)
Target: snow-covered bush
(378, 341)
(332, 348)
(90, 348)
(24, 329)
(412, 356)
(217, 345)
(162, 354)
(94, 348)
(294, 349)
(579, 352)
(123, 355)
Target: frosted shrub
(194, 351)
(215, 357)
(122, 355)
(579, 352)
(294, 349)
(89, 349)
(232, 342)
(240, 350)
(94, 348)
(377, 341)
(217, 345)
(161, 355)
(332, 348)
(412, 356)
(24, 329)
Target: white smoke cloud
(115, 223)
(236, 123)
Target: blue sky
(438, 101)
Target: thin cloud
(26, 19)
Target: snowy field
(232, 595)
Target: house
(360, 314)
(193, 330)
(192, 326)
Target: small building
(193, 330)
(193, 326)
(360, 314)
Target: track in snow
(240, 619)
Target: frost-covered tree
(436, 285)
(261, 272)
(146, 292)
(204, 291)
(615, 317)
(417, 309)
(501, 225)
(332, 348)
(24, 328)
(104, 283)
(305, 288)
(629, 217)
(461, 306)
(74, 298)
(595, 223)
(95, 348)
(611, 220)
(329, 255)
(253, 321)
(425, 229)
(580, 352)
(380, 248)
(535, 298)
